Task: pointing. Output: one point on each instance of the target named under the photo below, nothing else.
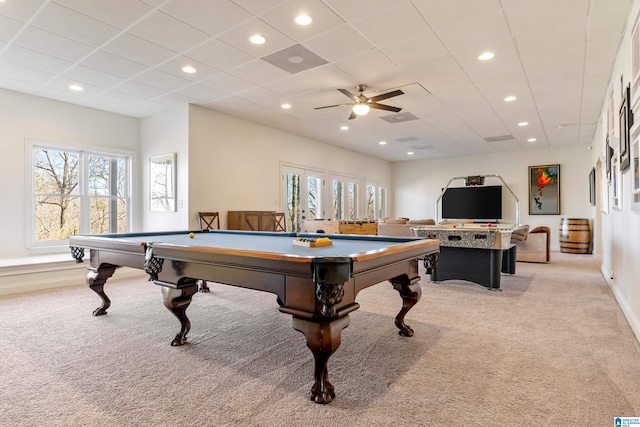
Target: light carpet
(552, 349)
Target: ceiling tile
(219, 55)
(73, 25)
(117, 13)
(239, 38)
(9, 28)
(212, 17)
(52, 44)
(113, 64)
(260, 72)
(161, 80)
(22, 10)
(167, 31)
(393, 25)
(201, 93)
(282, 17)
(331, 45)
(227, 83)
(35, 60)
(175, 65)
(139, 50)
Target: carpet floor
(552, 349)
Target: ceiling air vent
(406, 139)
(499, 138)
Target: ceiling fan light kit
(361, 109)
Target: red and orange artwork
(544, 178)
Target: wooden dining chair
(207, 223)
(280, 222)
(207, 219)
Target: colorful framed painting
(544, 190)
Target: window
(77, 192)
(304, 194)
(376, 201)
(344, 196)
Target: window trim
(57, 246)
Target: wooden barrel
(575, 235)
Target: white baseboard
(23, 277)
(633, 320)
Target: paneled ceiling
(554, 56)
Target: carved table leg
(410, 291)
(96, 278)
(323, 339)
(177, 301)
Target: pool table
(317, 286)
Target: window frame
(84, 152)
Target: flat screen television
(482, 203)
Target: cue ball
(192, 235)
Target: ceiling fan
(361, 104)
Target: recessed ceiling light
(531, 140)
(303, 19)
(510, 98)
(286, 106)
(523, 123)
(409, 153)
(344, 127)
(486, 56)
(382, 142)
(257, 39)
(76, 88)
(188, 69)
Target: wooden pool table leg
(323, 339)
(177, 300)
(96, 278)
(410, 291)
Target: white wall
(417, 184)
(163, 134)
(25, 116)
(621, 228)
(234, 164)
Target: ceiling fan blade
(386, 95)
(385, 107)
(331, 106)
(352, 116)
(349, 94)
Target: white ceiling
(555, 56)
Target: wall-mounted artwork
(635, 178)
(626, 121)
(544, 190)
(592, 187)
(162, 183)
(616, 182)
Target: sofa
(536, 247)
(400, 227)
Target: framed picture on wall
(592, 187)
(616, 183)
(162, 183)
(626, 121)
(635, 178)
(544, 190)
